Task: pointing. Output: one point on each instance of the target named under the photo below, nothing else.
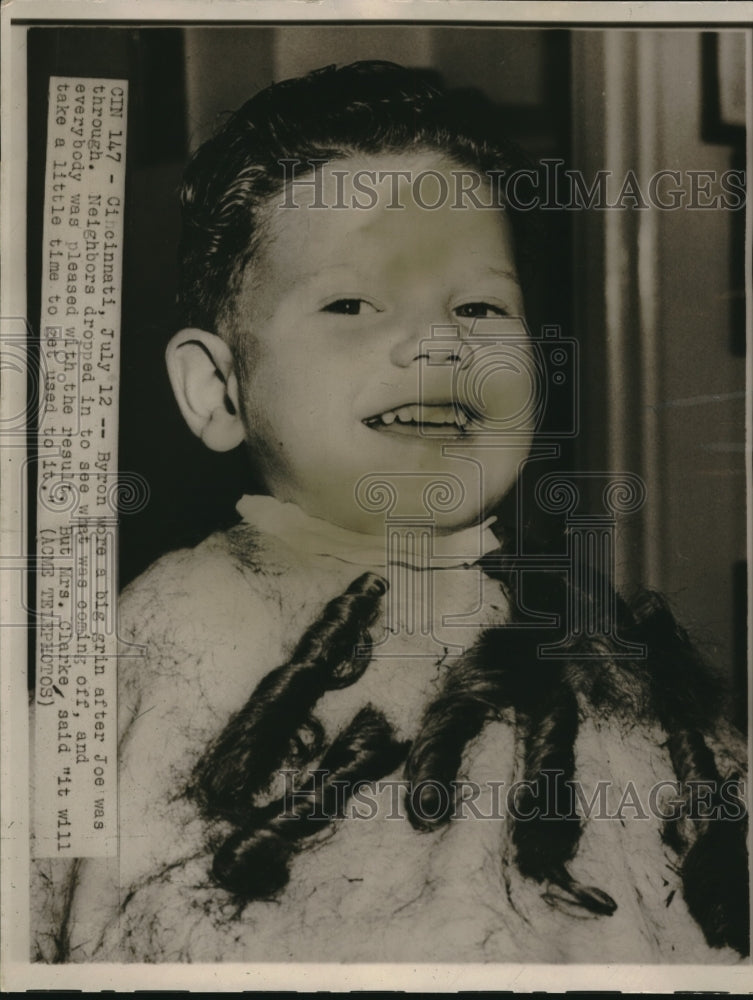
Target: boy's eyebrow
(310, 279)
(335, 269)
(501, 272)
(328, 270)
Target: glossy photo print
(375, 414)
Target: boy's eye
(479, 310)
(348, 307)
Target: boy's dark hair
(332, 113)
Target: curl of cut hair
(275, 727)
(253, 862)
(503, 671)
(476, 689)
(711, 843)
(366, 108)
(275, 722)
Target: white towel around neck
(315, 536)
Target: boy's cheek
(503, 391)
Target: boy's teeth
(414, 413)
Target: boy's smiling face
(332, 329)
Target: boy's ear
(200, 366)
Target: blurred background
(655, 299)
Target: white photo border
(17, 972)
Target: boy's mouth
(416, 418)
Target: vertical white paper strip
(75, 738)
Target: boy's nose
(422, 344)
